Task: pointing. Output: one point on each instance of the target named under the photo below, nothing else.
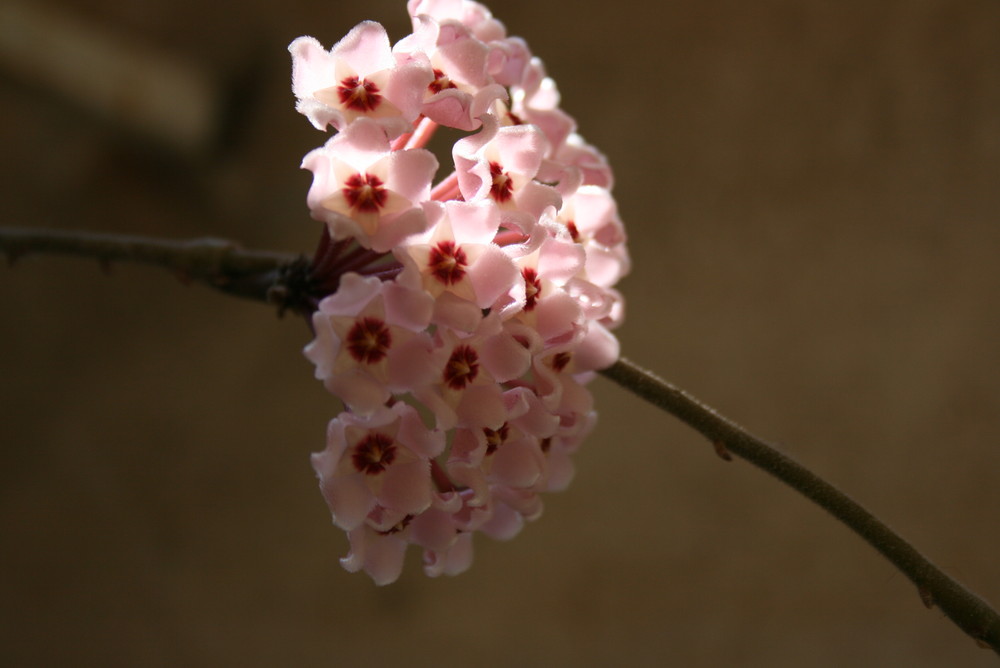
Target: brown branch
(221, 264)
(935, 587)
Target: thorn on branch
(722, 451)
(926, 597)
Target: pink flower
(481, 305)
(590, 215)
(500, 164)
(380, 462)
(593, 165)
(357, 78)
(457, 254)
(475, 16)
(364, 190)
(462, 89)
(467, 390)
(536, 100)
(370, 341)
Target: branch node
(722, 451)
(926, 597)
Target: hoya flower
(475, 16)
(370, 341)
(535, 100)
(592, 164)
(457, 254)
(456, 323)
(472, 371)
(364, 190)
(358, 77)
(462, 89)
(380, 462)
(500, 164)
(590, 216)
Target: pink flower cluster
(463, 317)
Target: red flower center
(560, 360)
(532, 287)
(462, 367)
(447, 262)
(374, 453)
(441, 82)
(368, 340)
(365, 193)
(495, 438)
(359, 94)
(398, 526)
(573, 232)
(503, 187)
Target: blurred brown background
(811, 190)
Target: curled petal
(505, 357)
(407, 487)
(517, 463)
(529, 414)
(381, 556)
(349, 498)
(598, 349)
(504, 524)
(492, 276)
(453, 561)
(481, 406)
(433, 530)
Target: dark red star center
(462, 367)
(368, 340)
(365, 193)
(398, 526)
(502, 188)
(560, 360)
(441, 82)
(495, 438)
(573, 232)
(447, 262)
(532, 287)
(373, 454)
(359, 94)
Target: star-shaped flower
(358, 78)
(362, 189)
